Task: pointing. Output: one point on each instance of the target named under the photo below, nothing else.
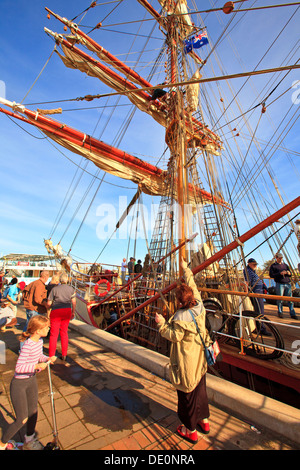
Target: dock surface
(105, 402)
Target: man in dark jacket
(281, 274)
(130, 267)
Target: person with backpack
(35, 297)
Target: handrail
(93, 264)
(249, 294)
(263, 320)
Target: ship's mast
(178, 146)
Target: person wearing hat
(138, 267)
(256, 286)
(280, 272)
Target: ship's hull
(276, 378)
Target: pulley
(228, 8)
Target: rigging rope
(86, 213)
(207, 11)
(262, 165)
(43, 68)
(270, 47)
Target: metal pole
(55, 434)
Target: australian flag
(195, 42)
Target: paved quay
(104, 401)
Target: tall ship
(224, 180)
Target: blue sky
(36, 175)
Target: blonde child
(23, 387)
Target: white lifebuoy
(102, 281)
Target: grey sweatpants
(24, 397)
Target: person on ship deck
(280, 272)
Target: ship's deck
(282, 371)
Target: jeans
(29, 314)
(285, 290)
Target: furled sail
(74, 58)
(77, 59)
(185, 23)
(193, 92)
(151, 179)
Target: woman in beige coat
(188, 365)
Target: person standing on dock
(24, 387)
(188, 364)
(280, 272)
(62, 301)
(35, 297)
(12, 294)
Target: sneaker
(189, 436)
(34, 444)
(12, 445)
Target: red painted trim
(261, 370)
(88, 309)
(85, 141)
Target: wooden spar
(79, 138)
(152, 11)
(56, 128)
(219, 255)
(115, 61)
(249, 294)
(128, 87)
(126, 84)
